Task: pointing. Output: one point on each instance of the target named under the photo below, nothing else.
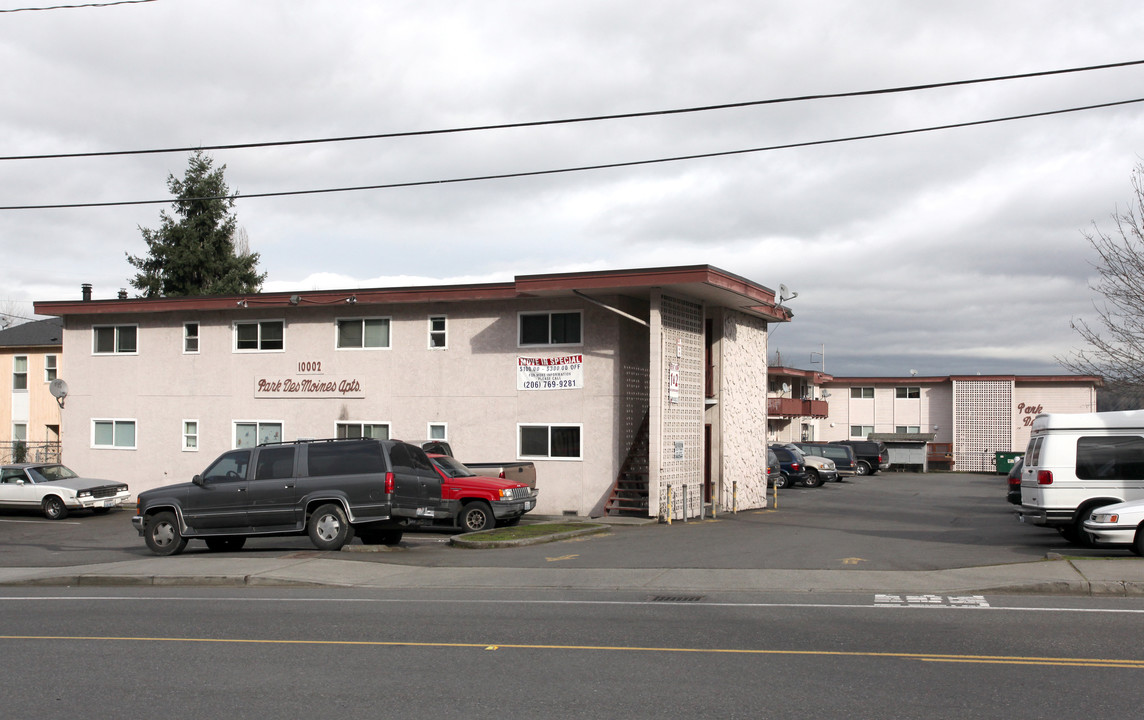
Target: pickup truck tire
(162, 534)
(229, 543)
(476, 516)
(328, 528)
(863, 468)
(813, 479)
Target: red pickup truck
(477, 502)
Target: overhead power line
(568, 121)
(75, 7)
(581, 168)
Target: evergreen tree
(195, 253)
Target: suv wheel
(782, 480)
(813, 479)
(328, 528)
(476, 516)
(863, 468)
(162, 534)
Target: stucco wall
(743, 411)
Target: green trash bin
(1005, 461)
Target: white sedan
(54, 490)
(1120, 523)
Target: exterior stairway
(630, 492)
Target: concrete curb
(473, 540)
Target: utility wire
(602, 166)
(74, 7)
(568, 121)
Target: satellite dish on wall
(59, 390)
(786, 293)
(786, 387)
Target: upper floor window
(20, 372)
(861, 431)
(113, 434)
(907, 429)
(363, 333)
(50, 368)
(191, 337)
(550, 328)
(259, 335)
(355, 430)
(249, 434)
(190, 434)
(908, 392)
(862, 393)
(437, 337)
(111, 339)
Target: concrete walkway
(1119, 576)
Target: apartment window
(20, 372)
(115, 339)
(248, 433)
(438, 431)
(907, 429)
(363, 333)
(861, 431)
(113, 434)
(862, 393)
(908, 392)
(190, 434)
(549, 441)
(437, 337)
(264, 335)
(353, 431)
(556, 328)
(50, 369)
(191, 337)
(19, 432)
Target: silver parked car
(54, 490)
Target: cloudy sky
(953, 251)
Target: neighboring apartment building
(625, 388)
(29, 415)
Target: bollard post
(670, 508)
(685, 502)
(734, 497)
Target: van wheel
(813, 479)
(863, 468)
(1138, 543)
(476, 516)
(328, 528)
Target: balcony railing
(794, 407)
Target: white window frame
(520, 450)
(186, 435)
(520, 317)
(444, 431)
(19, 373)
(51, 367)
(260, 322)
(115, 422)
(338, 333)
(20, 432)
(257, 431)
(362, 423)
(116, 350)
(859, 392)
(187, 337)
(443, 333)
(862, 435)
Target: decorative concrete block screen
(683, 411)
(983, 422)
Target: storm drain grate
(676, 598)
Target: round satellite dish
(58, 388)
(786, 387)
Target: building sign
(673, 382)
(565, 372)
(307, 387)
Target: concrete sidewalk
(1119, 576)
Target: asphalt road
(890, 521)
(257, 653)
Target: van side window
(275, 464)
(345, 459)
(1110, 458)
(1033, 454)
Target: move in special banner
(555, 373)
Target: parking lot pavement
(872, 529)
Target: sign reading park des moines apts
(565, 372)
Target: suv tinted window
(1110, 458)
(275, 464)
(231, 466)
(345, 459)
(409, 458)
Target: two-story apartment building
(30, 357)
(626, 388)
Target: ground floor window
(113, 434)
(438, 431)
(549, 441)
(861, 431)
(907, 429)
(353, 431)
(190, 434)
(249, 433)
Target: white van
(1076, 463)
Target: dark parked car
(793, 468)
(843, 456)
(1014, 494)
(872, 455)
(774, 469)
